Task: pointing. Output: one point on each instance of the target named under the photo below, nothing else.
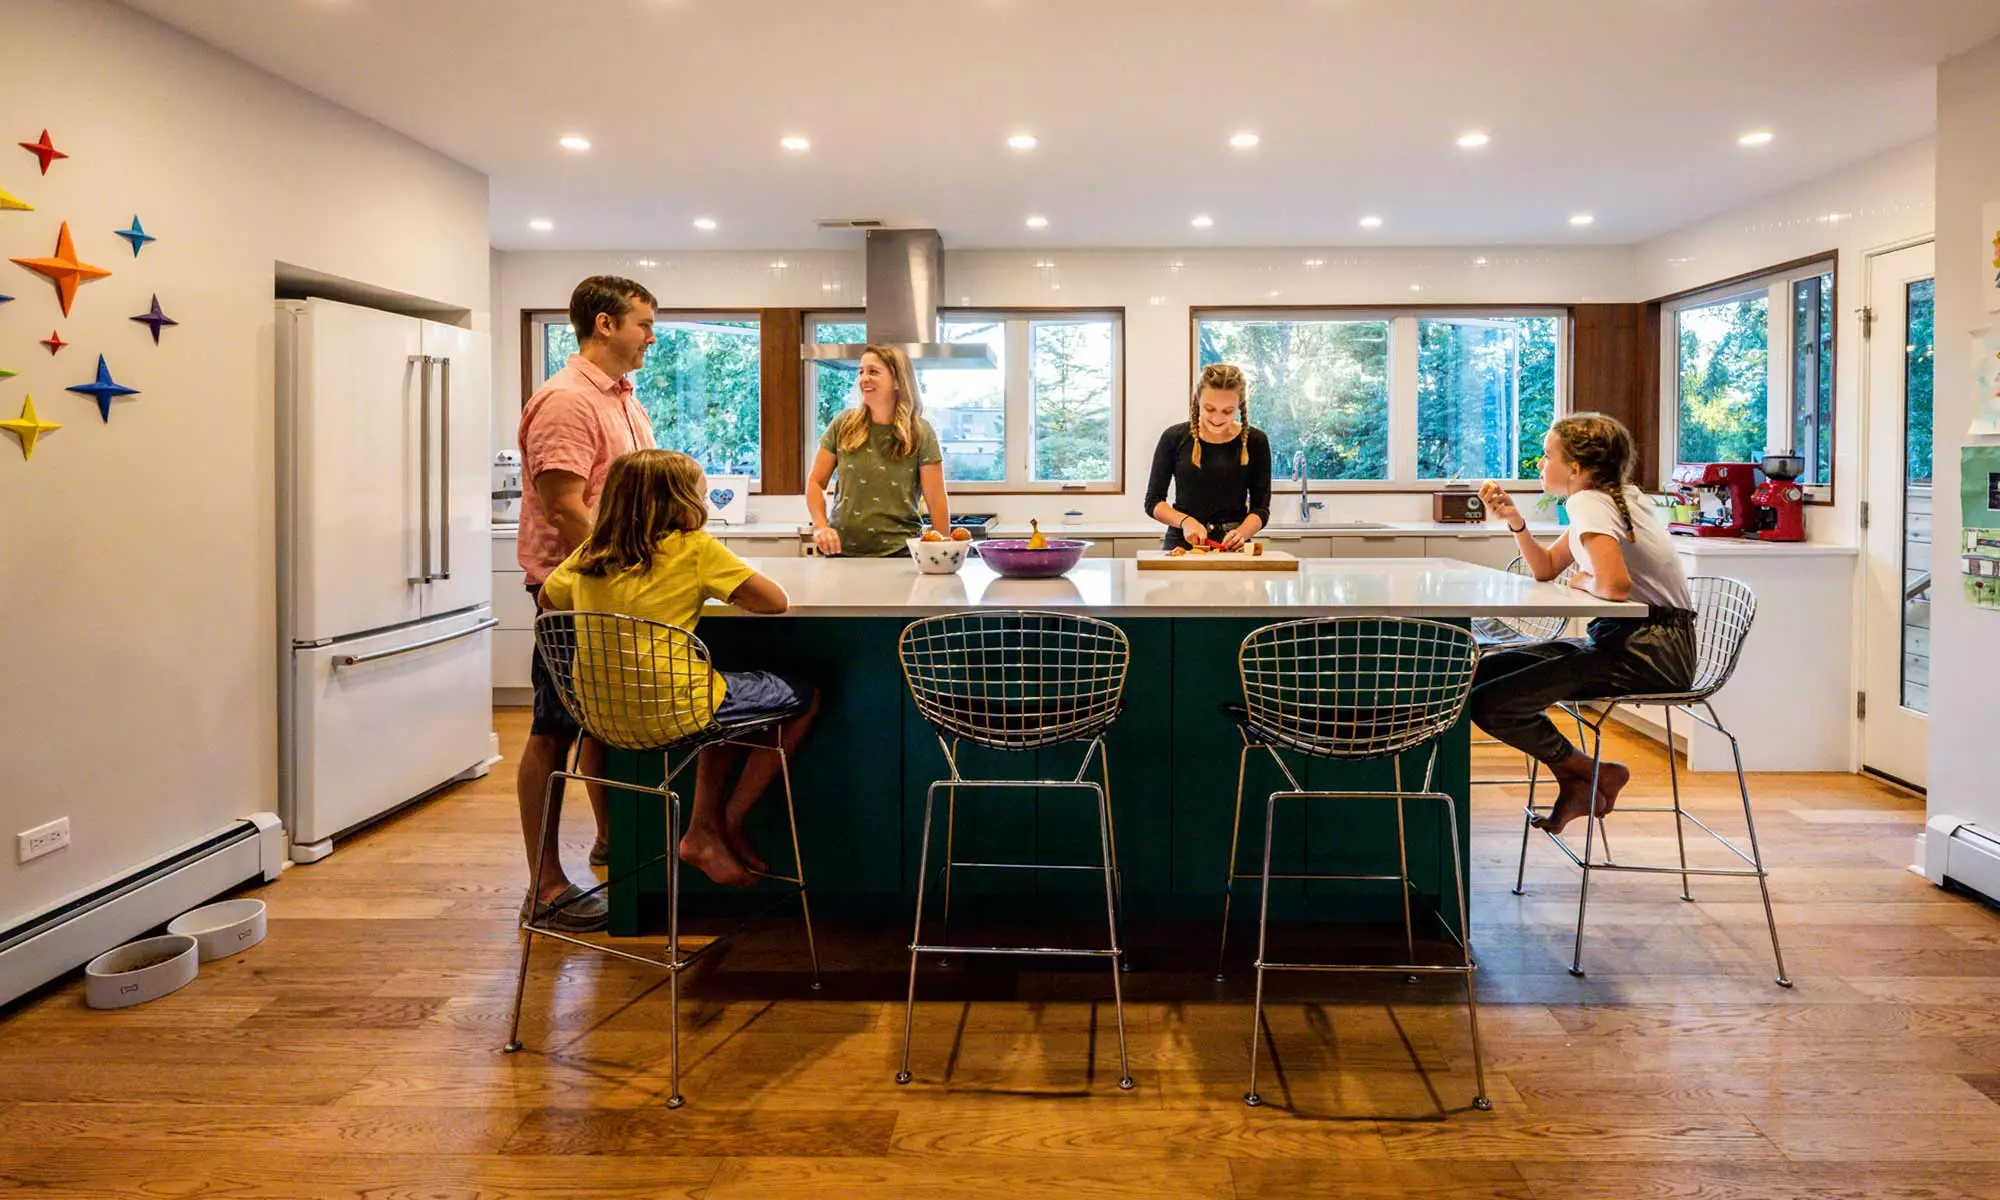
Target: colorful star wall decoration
(11, 202)
(6, 374)
(136, 235)
(156, 319)
(64, 270)
(44, 150)
(6, 299)
(104, 389)
(29, 428)
(54, 341)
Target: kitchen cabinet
(1482, 548)
(763, 546)
(1375, 545)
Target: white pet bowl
(938, 558)
(140, 971)
(222, 929)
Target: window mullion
(1779, 347)
(1403, 359)
(1019, 430)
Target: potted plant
(1545, 502)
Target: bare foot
(1572, 801)
(1611, 780)
(710, 855)
(740, 845)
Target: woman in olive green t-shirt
(886, 454)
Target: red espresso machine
(1721, 493)
(1779, 501)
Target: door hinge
(1864, 514)
(1867, 321)
(1861, 706)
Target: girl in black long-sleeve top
(1219, 466)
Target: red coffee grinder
(1778, 506)
(1721, 494)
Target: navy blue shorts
(751, 695)
(551, 718)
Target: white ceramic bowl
(140, 971)
(222, 929)
(938, 558)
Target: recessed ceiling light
(795, 142)
(1038, 222)
(779, 264)
(574, 141)
(1371, 222)
(1313, 262)
(1156, 301)
(1416, 287)
(829, 287)
(541, 224)
(1245, 140)
(1580, 219)
(1023, 141)
(1756, 137)
(647, 262)
(705, 224)
(1480, 261)
(1473, 140)
(1203, 221)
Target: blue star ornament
(136, 235)
(104, 389)
(156, 319)
(5, 299)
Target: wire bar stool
(1353, 689)
(1016, 680)
(1502, 633)
(1724, 610)
(648, 687)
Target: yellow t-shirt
(637, 694)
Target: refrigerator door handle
(444, 468)
(423, 364)
(355, 660)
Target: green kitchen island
(861, 776)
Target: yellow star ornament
(29, 428)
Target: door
(1896, 618)
(460, 476)
(352, 433)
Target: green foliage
(1917, 420)
(1485, 396)
(1317, 386)
(1072, 401)
(1724, 382)
(701, 386)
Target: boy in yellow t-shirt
(649, 557)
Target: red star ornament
(44, 150)
(64, 270)
(54, 341)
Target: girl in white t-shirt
(1621, 552)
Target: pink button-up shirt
(578, 422)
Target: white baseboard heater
(47, 946)
(1962, 853)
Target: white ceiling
(1628, 109)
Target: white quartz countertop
(1748, 547)
(1110, 587)
(1276, 532)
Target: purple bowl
(1012, 557)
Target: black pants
(1513, 688)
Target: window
(1395, 396)
(1739, 384)
(1044, 416)
(701, 383)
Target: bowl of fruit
(1037, 556)
(937, 554)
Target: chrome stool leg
(1112, 924)
(1756, 855)
(1590, 824)
(1263, 927)
(1117, 877)
(1527, 826)
(1229, 873)
(674, 1097)
(917, 933)
(798, 861)
(534, 909)
(1674, 779)
(1480, 1100)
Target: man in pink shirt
(571, 429)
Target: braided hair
(1221, 377)
(1603, 447)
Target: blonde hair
(850, 428)
(1603, 447)
(647, 495)
(1222, 377)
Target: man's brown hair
(610, 295)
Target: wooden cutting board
(1270, 560)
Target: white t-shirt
(1650, 561)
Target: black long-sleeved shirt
(1223, 490)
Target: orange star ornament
(64, 270)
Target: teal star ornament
(104, 389)
(136, 235)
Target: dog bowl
(222, 929)
(1012, 557)
(938, 558)
(140, 971)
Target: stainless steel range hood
(905, 279)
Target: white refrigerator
(385, 584)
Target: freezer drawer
(377, 721)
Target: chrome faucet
(1301, 477)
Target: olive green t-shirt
(877, 510)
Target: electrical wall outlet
(42, 839)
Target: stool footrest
(1371, 968)
(1006, 950)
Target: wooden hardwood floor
(357, 1051)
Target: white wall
(137, 573)
(1965, 641)
(1155, 287)
(1874, 203)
